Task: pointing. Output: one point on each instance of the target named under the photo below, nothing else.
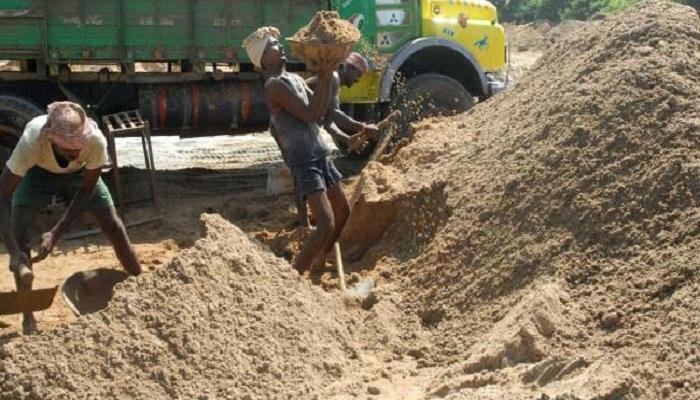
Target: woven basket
(311, 53)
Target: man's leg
(325, 226)
(112, 226)
(23, 219)
(302, 212)
(341, 212)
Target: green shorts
(37, 187)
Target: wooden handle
(339, 265)
(388, 128)
(391, 118)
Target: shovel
(86, 292)
(388, 130)
(26, 301)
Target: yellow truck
(438, 55)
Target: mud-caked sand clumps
(225, 319)
(544, 245)
(585, 176)
(328, 28)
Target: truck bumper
(496, 86)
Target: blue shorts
(315, 176)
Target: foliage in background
(522, 11)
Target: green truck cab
(180, 62)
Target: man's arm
(8, 184)
(280, 96)
(336, 133)
(345, 122)
(77, 205)
(328, 125)
(335, 115)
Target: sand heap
(584, 183)
(327, 27)
(225, 319)
(540, 35)
(546, 243)
(528, 37)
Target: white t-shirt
(35, 150)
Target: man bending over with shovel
(61, 153)
(295, 115)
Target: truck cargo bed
(125, 31)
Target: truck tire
(15, 112)
(429, 95)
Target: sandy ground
(224, 175)
(155, 244)
(527, 249)
(233, 182)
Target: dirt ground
(523, 250)
(225, 175)
(233, 184)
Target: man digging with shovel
(61, 153)
(295, 115)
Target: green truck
(180, 62)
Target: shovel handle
(390, 119)
(339, 265)
(388, 128)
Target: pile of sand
(528, 37)
(527, 42)
(225, 319)
(327, 27)
(539, 36)
(586, 178)
(544, 245)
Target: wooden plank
(127, 120)
(108, 123)
(119, 122)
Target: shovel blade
(362, 288)
(27, 301)
(87, 292)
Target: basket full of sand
(327, 39)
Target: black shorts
(315, 176)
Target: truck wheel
(429, 95)
(15, 112)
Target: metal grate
(129, 124)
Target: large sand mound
(544, 245)
(225, 319)
(587, 177)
